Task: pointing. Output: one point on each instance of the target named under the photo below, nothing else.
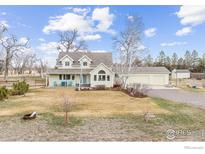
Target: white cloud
(173, 44)
(191, 15)
(3, 13)
(91, 37)
(82, 11)
(50, 60)
(68, 21)
(150, 32)
(184, 31)
(99, 51)
(142, 47)
(23, 40)
(104, 17)
(48, 48)
(5, 23)
(131, 18)
(42, 39)
(100, 21)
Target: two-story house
(91, 69)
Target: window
(67, 77)
(60, 77)
(101, 72)
(103, 77)
(99, 78)
(67, 63)
(95, 77)
(108, 78)
(85, 64)
(63, 76)
(73, 77)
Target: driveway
(179, 95)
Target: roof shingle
(140, 70)
(97, 58)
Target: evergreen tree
(181, 63)
(174, 60)
(168, 62)
(148, 61)
(161, 58)
(187, 59)
(195, 59)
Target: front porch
(69, 80)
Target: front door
(84, 79)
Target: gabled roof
(181, 71)
(97, 58)
(140, 70)
(101, 64)
(65, 57)
(85, 56)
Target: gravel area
(93, 129)
(97, 129)
(180, 96)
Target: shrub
(3, 93)
(117, 85)
(100, 87)
(20, 88)
(137, 90)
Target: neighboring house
(181, 74)
(97, 69)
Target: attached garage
(147, 75)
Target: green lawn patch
(59, 120)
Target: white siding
(181, 75)
(149, 79)
(106, 83)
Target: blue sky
(167, 28)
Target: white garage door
(157, 80)
(149, 79)
(144, 79)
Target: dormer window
(85, 61)
(85, 64)
(67, 63)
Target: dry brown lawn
(86, 103)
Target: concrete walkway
(179, 95)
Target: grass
(107, 104)
(180, 117)
(86, 103)
(59, 120)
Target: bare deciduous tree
(67, 106)
(41, 66)
(68, 42)
(11, 45)
(128, 44)
(24, 60)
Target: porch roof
(68, 71)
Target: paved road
(179, 95)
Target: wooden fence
(198, 75)
(32, 83)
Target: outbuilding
(181, 74)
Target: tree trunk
(6, 67)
